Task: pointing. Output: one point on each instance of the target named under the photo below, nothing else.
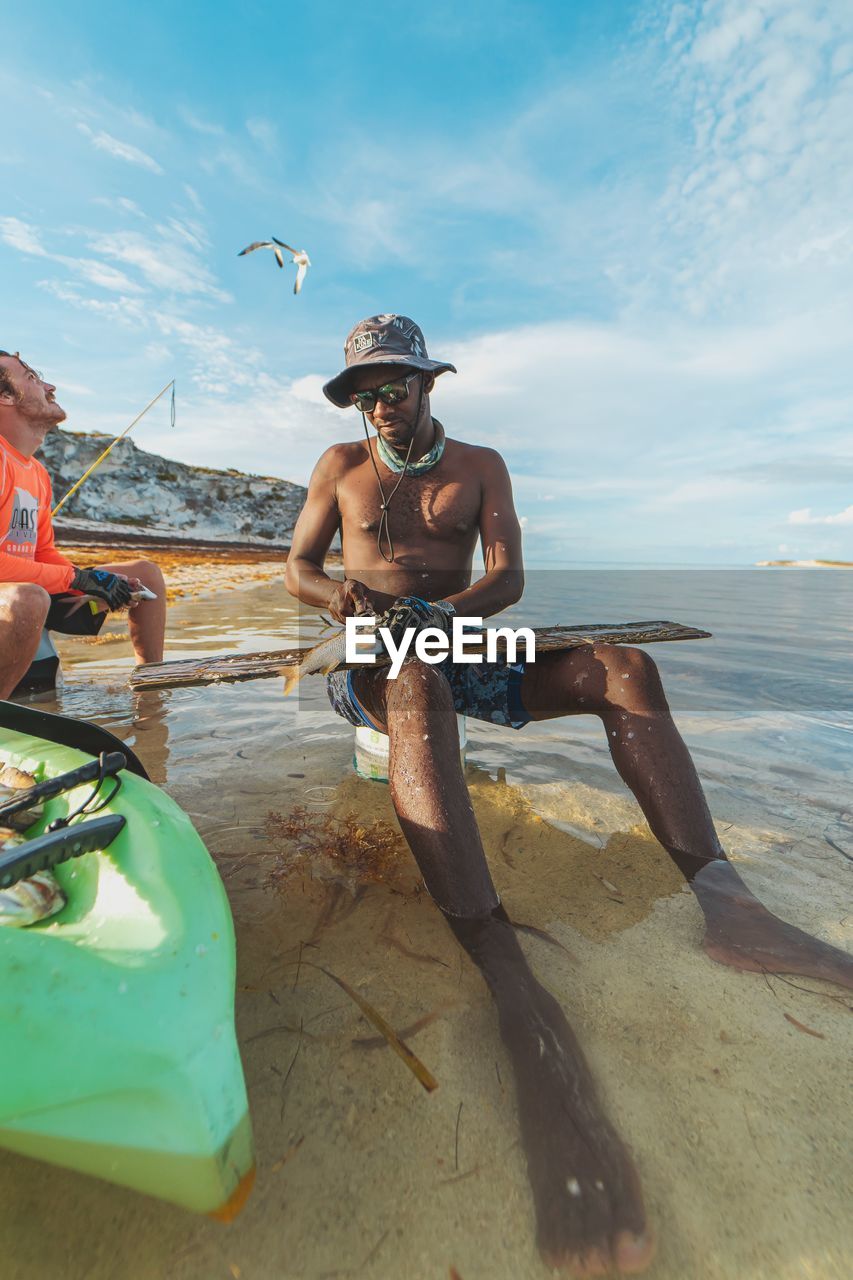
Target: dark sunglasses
(391, 393)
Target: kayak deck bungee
(118, 1055)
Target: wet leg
(23, 609)
(428, 787)
(146, 621)
(622, 686)
(589, 1210)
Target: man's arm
(46, 550)
(316, 527)
(500, 538)
(55, 578)
(47, 568)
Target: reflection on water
(731, 1111)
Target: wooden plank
(260, 666)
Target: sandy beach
(188, 571)
(734, 1111)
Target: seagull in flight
(298, 256)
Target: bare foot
(586, 1192)
(740, 932)
(589, 1207)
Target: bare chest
(439, 505)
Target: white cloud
(193, 197)
(804, 516)
(120, 150)
(230, 159)
(76, 388)
(219, 363)
(121, 204)
(589, 393)
(22, 236)
(199, 125)
(264, 132)
(757, 214)
(101, 274)
(168, 258)
(127, 312)
(717, 43)
(310, 389)
(260, 427)
(703, 494)
(27, 239)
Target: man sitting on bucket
(410, 504)
(32, 571)
(34, 578)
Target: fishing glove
(107, 586)
(412, 611)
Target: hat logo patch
(363, 342)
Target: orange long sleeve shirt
(27, 550)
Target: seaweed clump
(336, 850)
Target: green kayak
(118, 1055)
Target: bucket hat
(386, 339)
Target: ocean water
(733, 1112)
(766, 705)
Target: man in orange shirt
(31, 568)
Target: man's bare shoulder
(480, 457)
(339, 459)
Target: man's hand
(412, 611)
(137, 587)
(111, 587)
(348, 599)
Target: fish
(40, 896)
(329, 655)
(12, 782)
(15, 779)
(30, 900)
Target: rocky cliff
(142, 494)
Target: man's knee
(631, 673)
(25, 603)
(628, 663)
(23, 610)
(419, 683)
(147, 571)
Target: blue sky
(629, 226)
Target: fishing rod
(110, 447)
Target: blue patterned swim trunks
(489, 691)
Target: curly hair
(7, 388)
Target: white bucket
(46, 648)
(370, 758)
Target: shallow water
(733, 1114)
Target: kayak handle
(46, 851)
(107, 765)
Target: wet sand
(735, 1116)
(188, 571)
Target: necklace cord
(384, 530)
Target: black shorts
(489, 691)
